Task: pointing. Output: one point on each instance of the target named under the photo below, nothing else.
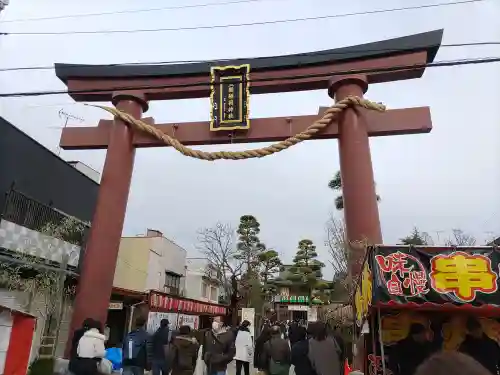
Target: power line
(449, 63)
(203, 5)
(417, 7)
(342, 52)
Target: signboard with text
(166, 303)
(291, 299)
(229, 97)
(435, 276)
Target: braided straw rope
(316, 127)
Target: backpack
(134, 346)
(183, 362)
(276, 367)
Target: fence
(29, 213)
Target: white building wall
(86, 170)
(156, 274)
(5, 330)
(193, 285)
(37, 306)
(196, 286)
(171, 257)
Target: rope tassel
(313, 129)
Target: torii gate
(130, 87)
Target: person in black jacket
(258, 360)
(294, 333)
(160, 341)
(480, 347)
(412, 351)
(300, 353)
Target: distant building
(86, 170)
(151, 262)
(37, 188)
(202, 282)
(291, 302)
(152, 279)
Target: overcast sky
(446, 179)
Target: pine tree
(336, 185)
(248, 249)
(417, 238)
(249, 246)
(306, 269)
(270, 264)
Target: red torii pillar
(352, 128)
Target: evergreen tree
(270, 264)
(336, 185)
(417, 238)
(248, 250)
(306, 269)
(249, 246)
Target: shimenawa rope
(316, 127)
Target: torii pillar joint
(99, 262)
(358, 186)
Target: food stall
(438, 288)
(181, 311)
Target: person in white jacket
(244, 348)
(90, 350)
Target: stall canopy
(429, 278)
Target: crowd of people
(312, 350)
(411, 352)
(277, 347)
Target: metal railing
(29, 213)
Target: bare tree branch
(337, 244)
(460, 238)
(218, 245)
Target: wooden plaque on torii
(131, 87)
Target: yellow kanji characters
(463, 274)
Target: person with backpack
(218, 349)
(161, 339)
(276, 354)
(324, 352)
(183, 353)
(300, 353)
(137, 350)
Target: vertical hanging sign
(229, 97)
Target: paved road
(231, 370)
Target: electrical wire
(112, 13)
(259, 23)
(341, 52)
(445, 63)
(320, 53)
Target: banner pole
(381, 343)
